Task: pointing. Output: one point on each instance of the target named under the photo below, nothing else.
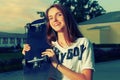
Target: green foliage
(83, 9)
(8, 56)
(10, 61)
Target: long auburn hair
(72, 29)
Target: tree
(83, 9)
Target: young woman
(71, 56)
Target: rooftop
(106, 18)
(18, 35)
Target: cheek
(63, 22)
(50, 23)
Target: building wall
(104, 33)
(9, 42)
(92, 35)
(115, 33)
(105, 36)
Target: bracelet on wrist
(57, 65)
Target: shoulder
(83, 40)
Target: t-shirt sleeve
(88, 56)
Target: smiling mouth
(56, 24)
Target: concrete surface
(103, 71)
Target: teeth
(56, 24)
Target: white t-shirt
(76, 57)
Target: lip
(56, 23)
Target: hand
(50, 53)
(26, 47)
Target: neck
(63, 40)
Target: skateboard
(35, 66)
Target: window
(5, 40)
(0, 40)
(18, 40)
(12, 40)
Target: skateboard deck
(35, 66)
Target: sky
(15, 14)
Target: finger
(23, 52)
(26, 48)
(44, 54)
(49, 50)
(26, 45)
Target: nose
(55, 19)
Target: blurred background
(98, 20)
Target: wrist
(57, 65)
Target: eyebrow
(55, 14)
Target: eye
(59, 14)
(50, 18)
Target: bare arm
(86, 74)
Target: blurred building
(11, 39)
(103, 29)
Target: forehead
(53, 11)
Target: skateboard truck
(36, 62)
